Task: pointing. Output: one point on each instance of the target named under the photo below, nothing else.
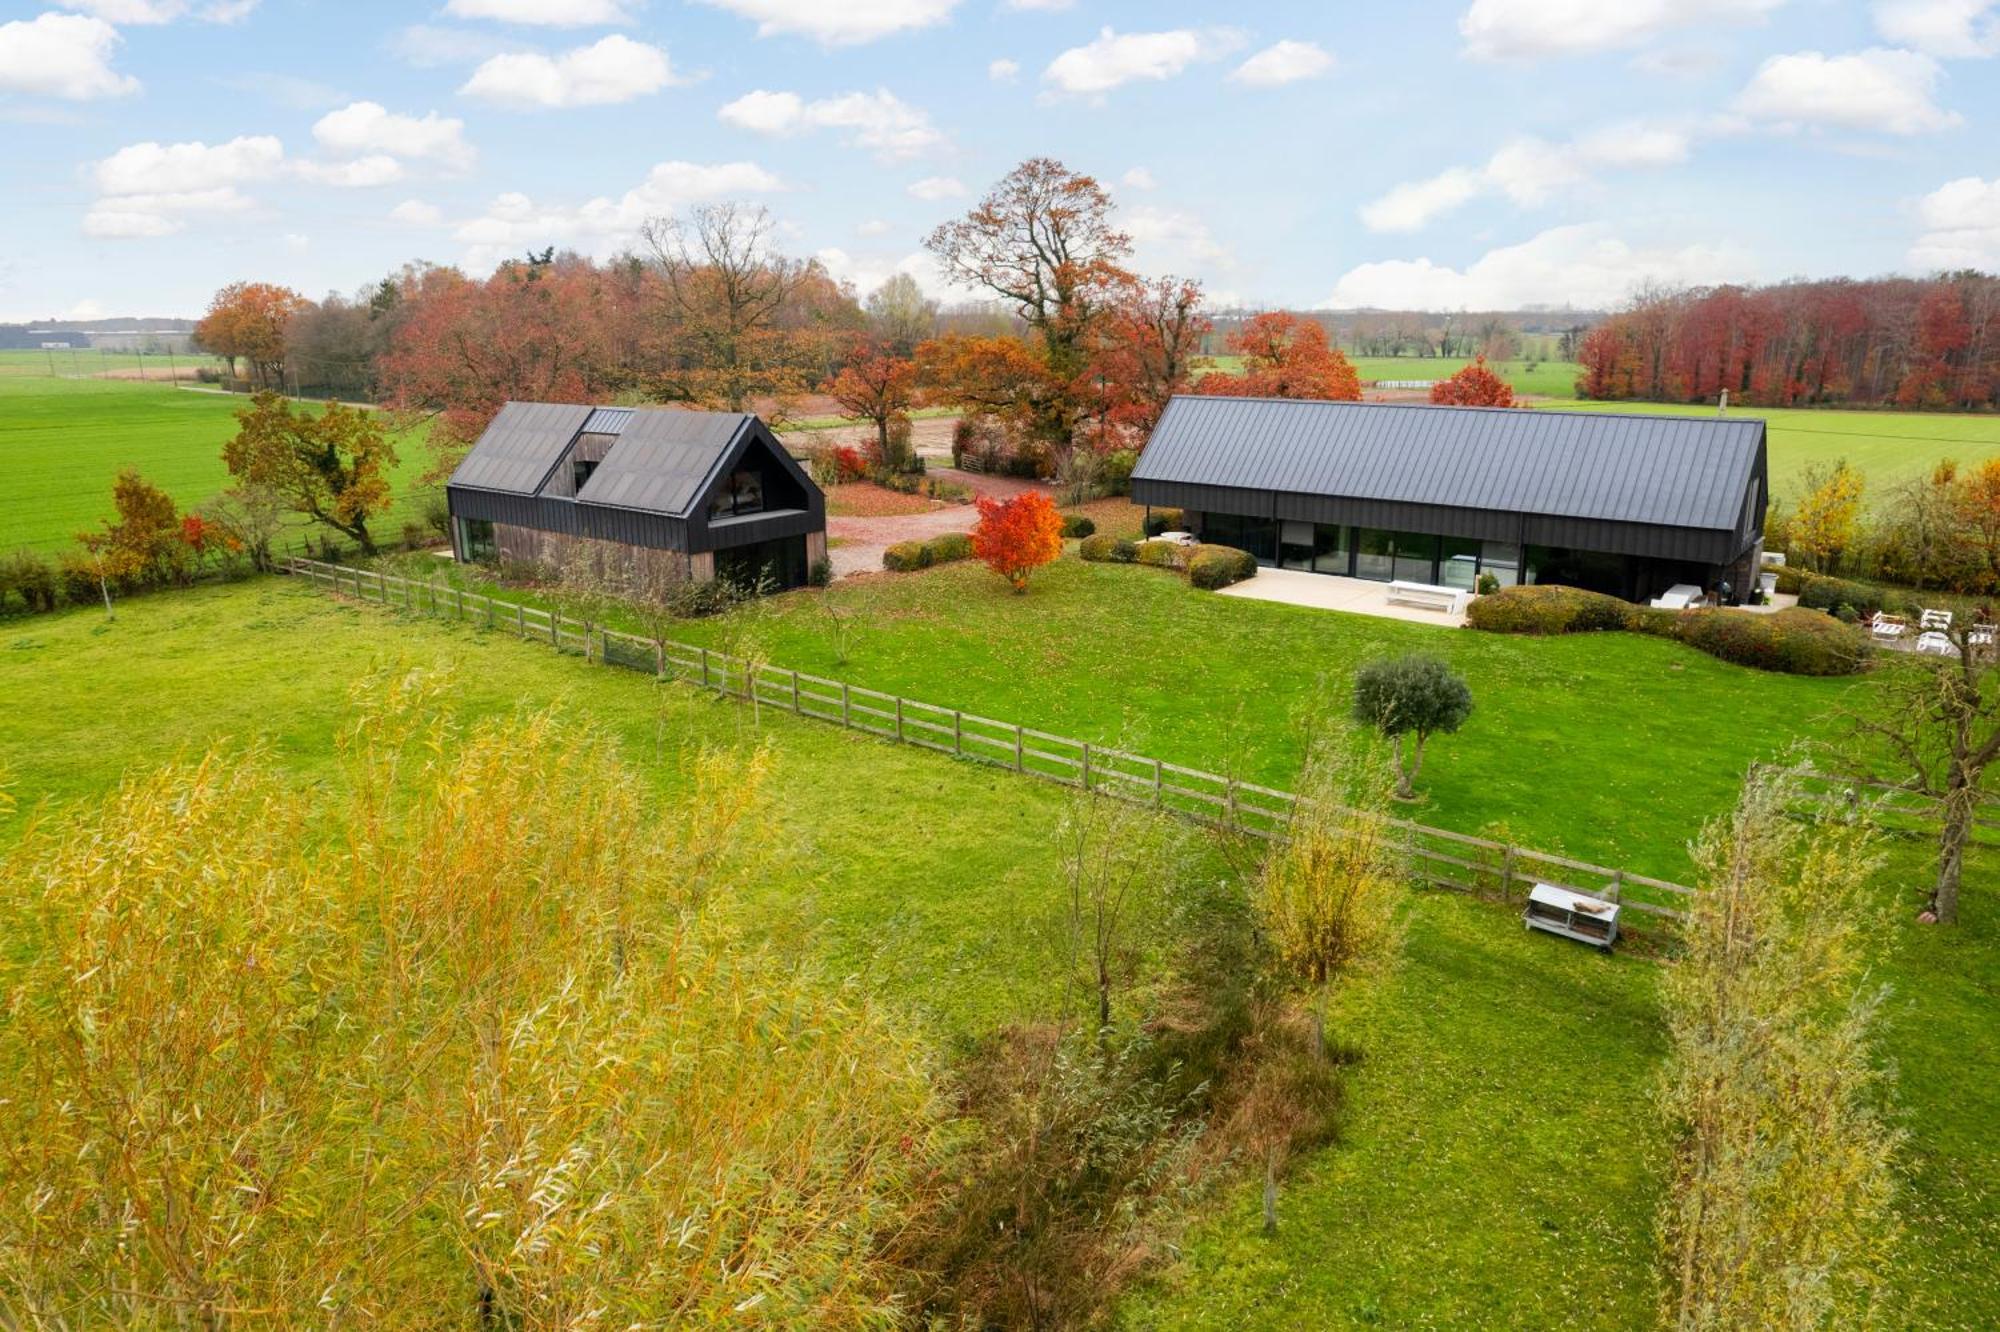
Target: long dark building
(713, 494)
(1619, 503)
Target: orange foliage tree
(1285, 356)
(1018, 536)
(247, 320)
(1473, 386)
(880, 388)
(148, 542)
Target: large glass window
(476, 540)
(1458, 563)
(1295, 545)
(1589, 569)
(1374, 554)
(1502, 559)
(743, 494)
(1259, 536)
(1330, 549)
(1416, 558)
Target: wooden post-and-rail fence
(1440, 857)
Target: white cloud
(1526, 29)
(1283, 62)
(1003, 70)
(933, 189)
(173, 168)
(866, 272)
(1138, 178)
(428, 45)
(1529, 171)
(1877, 89)
(1949, 29)
(514, 221)
(838, 22)
(1170, 240)
(1961, 220)
(545, 13)
(297, 240)
(353, 173)
(616, 69)
(874, 226)
(881, 122)
(364, 128)
(1581, 266)
(61, 55)
(132, 216)
(1113, 60)
(417, 213)
(140, 13)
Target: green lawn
(63, 442)
(1500, 1162)
(1547, 379)
(1612, 748)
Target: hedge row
(1208, 567)
(1213, 567)
(1797, 641)
(909, 556)
(1105, 548)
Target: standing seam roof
(658, 464)
(1663, 470)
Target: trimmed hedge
(1213, 567)
(1108, 549)
(950, 547)
(1162, 554)
(1163, 520)
(906, 557)
(1796, 641)
(1077, 525)
(1827, 593)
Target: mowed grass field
(1501, 1162)
(1547, 379)
(63, 441)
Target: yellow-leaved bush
(461, 1038)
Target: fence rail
(1884, 802)
(1442, 858)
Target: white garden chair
(1888, 626)
(1932, 640)
(1980, 636)
(1935, 619)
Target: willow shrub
(1779, 1206)
(461, 1040)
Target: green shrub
(1077, 525)
(948, 548)
(1488, 584)
(1098, 548)
(906, 557)
(1213, 567)
(1795, 641)
(820, 573)
(1821, 592)
(1547, 608)
(1161, 554)
(26, 575)
(1163, 520)
(1846, 614)
(1116, 473)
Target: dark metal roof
(607, 420)
(661, 460)
(1669, 471)
(516, 452)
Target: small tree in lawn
(1411, 698)
(1473, 386)
(880, 389)
(333, 468)
(1017, 537)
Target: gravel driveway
(864, 539)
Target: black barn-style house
(714, 494)
(1619, 503)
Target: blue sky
(1457, 154)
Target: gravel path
(864, 539)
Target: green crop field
(1545, 379)
(1501, 1162)
(63, 441)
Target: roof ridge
(1471, 407)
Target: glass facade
(1458, 564)
(1366, 552)
(1295, 545)
(476, 540)
(1259, 536)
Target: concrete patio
(1359, 596)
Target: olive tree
(1409, 699)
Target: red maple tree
(1017, 536)
(1473, 386)
(1284, 356)
(879, 388)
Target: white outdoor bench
(1427, 596)
(1572, 915)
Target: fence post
(1229, 798)
(845, 719)
(659, 659)
(1159, 792)
(586, 642)
(958, 733)
(704, 668)
(1086, 765)
(1017, 750)
(899, 717)
(795, 692)
(521, 618)
(555, 630)
(1617, 884)
(1507, 873)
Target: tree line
(1930, 344)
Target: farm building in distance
(1629, 505)
(700, 494)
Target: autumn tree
(1922, 533)
(145, 543)
(1148, 350)
(249, 515)
(1017, 536)
(248, 321)
(1778, 1211)
(721, 288)
(1828, 517)
(1473, 386)
(463, 347)
(1979, 520)
(1284, 356)
(900, 315)
(1043, 240)
(333, 467)
(879, 387)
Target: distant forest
(1929, 344)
